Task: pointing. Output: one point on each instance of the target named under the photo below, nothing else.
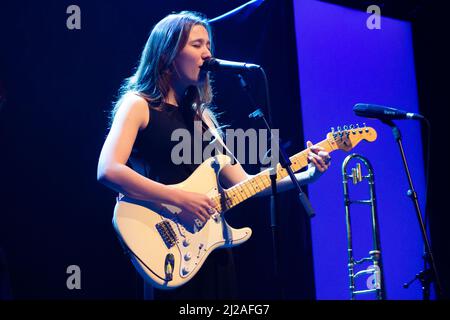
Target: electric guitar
(168, 254)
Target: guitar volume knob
(186, 270)
(187, 256)
(186, 242)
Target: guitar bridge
(167, 234)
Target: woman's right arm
(113, 172)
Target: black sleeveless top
(151, 157)
(152, 150)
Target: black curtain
(57, 86)
(430, 32)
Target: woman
(169, 91)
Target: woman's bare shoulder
(135, 106)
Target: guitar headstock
(347, 137)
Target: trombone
(375, 281)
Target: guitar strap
(217, 139)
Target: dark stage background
(59, 86)
(56, 88)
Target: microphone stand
(425, 276)
(286, 164)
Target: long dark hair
(151, 79)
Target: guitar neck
(260, 182)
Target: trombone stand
(425, 276)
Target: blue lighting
(342, 62)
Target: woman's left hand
(318, 156)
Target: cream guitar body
(168, 254)
(160, 247)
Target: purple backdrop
(342, 62)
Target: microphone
(214, 64)
(383, 113)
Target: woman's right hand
(193, 206)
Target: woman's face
(189, 60)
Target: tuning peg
(365, 127)
(333, 133)
(352, 129)
(359, 128)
